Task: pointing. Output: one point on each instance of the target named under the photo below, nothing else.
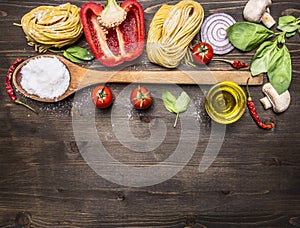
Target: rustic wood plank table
(47, 173)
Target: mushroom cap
(255, 9)
(280, 103)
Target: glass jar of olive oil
(225, 102)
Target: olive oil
(225, 102)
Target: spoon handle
(91, 77)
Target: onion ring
(213, 31)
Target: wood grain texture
(253, 182)
(82, 77)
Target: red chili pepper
(114, 33)
(234, 63)
(9, 88)
(254, 114)
(238, 64)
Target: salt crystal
(46, 77)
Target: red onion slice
(213, 31)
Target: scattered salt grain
(46, 77)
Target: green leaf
(169, 101)
(280, 70)
(246, 35)
(72, 58)
(288, 24)
(290, 34)
(176, 105)
(286, 19)
(289, 27)
(262, 57)
(80, 53)
(182, 102)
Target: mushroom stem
(279, 103)
(268, 20)
(266, 103)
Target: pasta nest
(52, 26)
(171, 31)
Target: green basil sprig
(289, 24)
(76, 54)
(176, 105)
(272, 56)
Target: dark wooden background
(253, 182)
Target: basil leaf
(182, 102)
(176, 105)
(289, 27)
(71, 57)
(246, 35)
(288, 24)
(80, 53)
(290, 34)
(169, 101)
(286, 19)
(280, 70)
(262, 57)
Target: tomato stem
(101, 95)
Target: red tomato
(102, 96)
(202, 53)
(140, 98)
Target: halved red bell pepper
(115, 33)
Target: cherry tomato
(102, 96)
(141, 98)
(202, 53)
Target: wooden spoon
(82, 77)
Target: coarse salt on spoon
(81, 77)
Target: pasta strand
(52, 26)
(171, 32)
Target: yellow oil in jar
(225, 102)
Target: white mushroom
(258, 11)
(280, 103)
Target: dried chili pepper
(253, 112)
(238, 64)
(234, 63)
(114, 33)
(9, 88)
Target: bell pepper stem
(112, 15)
(112, 4)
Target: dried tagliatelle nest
(52, 26)
(171, 32)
